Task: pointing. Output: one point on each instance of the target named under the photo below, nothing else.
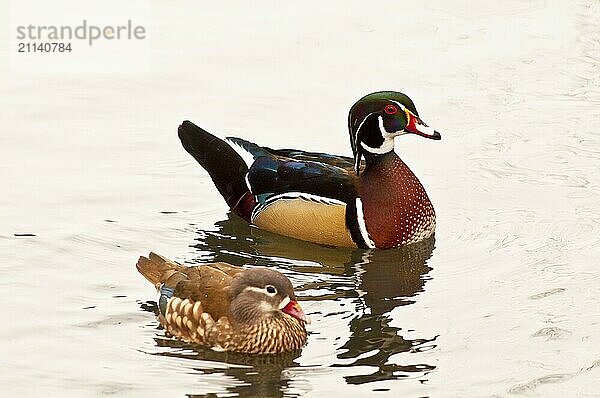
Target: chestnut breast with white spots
(396, 208)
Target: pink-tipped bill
(293, 309)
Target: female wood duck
(327, 199)
(225, 307)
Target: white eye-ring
(270, 289)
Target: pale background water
(506, 304)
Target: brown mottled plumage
(226, 307)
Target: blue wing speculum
(165, 293)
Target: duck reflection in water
(261, 375)
(377, 281)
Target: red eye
(390, 109)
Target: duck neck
(373, 160)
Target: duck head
(262, 293)
(377, 118)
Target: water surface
(505, 301)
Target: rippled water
(504, 302)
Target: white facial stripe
(284, 302)
(256, 289)
(261, 290)
(382, 129)
(385, 134)
(361, 123)
(356, 138)
(388, 140)
(362, 226)
(399, 104)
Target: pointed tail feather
(159, 270)
(224, 165)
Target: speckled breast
(396, 208)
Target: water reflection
(260, 375)
(372, 334)
(375, 282)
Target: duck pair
(372, 200)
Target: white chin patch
(265, 307)
(284, 302)
(388, 140)
(387, 146)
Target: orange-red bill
(293, 309)
(417, 126)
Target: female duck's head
(376, 119)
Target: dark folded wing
(343, 162)
(274, 175)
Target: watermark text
(85, 31)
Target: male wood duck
(327, 199)
(225, 307)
